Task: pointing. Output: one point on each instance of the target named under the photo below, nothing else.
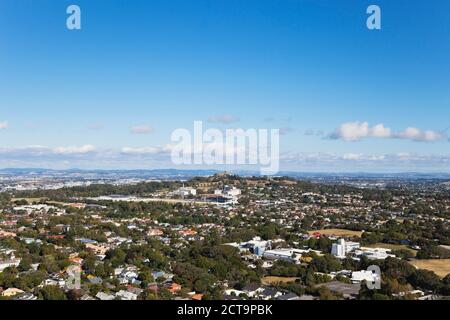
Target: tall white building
(342, 248)
(338, 249)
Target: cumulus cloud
(392, 162)
(351, 131)
(419, 135)
(141, 129)
(363, 157)
(226, 118)
(140, 150)
(355, 131)
(4, 125)
(146, 150)
(150, 156)
(351, 156)
(81, 157)
(44, 152)
(380, 131)
(74, 150)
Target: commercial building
(365, 275)
(185, 192)
(290, 255)
(342, 248)
(255, 246)
(373, 253)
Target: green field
(338, 232)
(439, 266)
(269, 280)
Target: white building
(256, 246)
(291, 255)
(338, 249)
(186, 191)
(374, 253)
(104, 296)
(126, 295)
(10, 292)
(342, 248)
(232, 192)
(9, 263)
(364, 275)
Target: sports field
(439, 266)
(269, 280)
(338, 232)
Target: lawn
(29, 200)
(338, 232)
(269, 280)
(439, 266)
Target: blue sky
(312, 68)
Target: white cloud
(74, 150)
(397, 162)
(351, 156)
(146, 150)
(376, 158)
(226, 118)
(402, 156)
(159, 156)
(430, 135)
(351, 131)
(419, 135)
(409, 133)
(141, 129)
(4, 125)
(354, 131)
(141, 150)
(380, 131)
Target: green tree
(51, 293)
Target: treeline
(96, 190)
(203, 265)
(422, 234)
(399, 275)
